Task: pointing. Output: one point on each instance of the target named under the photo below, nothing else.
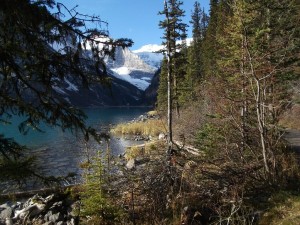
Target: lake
(60, 153)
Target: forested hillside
(229, 91)
(236, 78)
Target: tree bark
(169, 78)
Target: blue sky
(135, 19)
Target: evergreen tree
(162, 98)
(254, 61)
(95, 202)
(175, 30)
(194, 55)
(197, 23)
(255, 50)
(209, 48)
(38, 51)
(181, 65)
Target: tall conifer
(38, 51)
(174, 30)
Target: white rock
(8, 221)
(162, 136)
(130, 164)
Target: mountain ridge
(133, 68)
(130, 76)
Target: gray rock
(61, 223)
(31, 210)
(130, 165)
(47, 216)
(50, 198)
(56, 217)
(48, 223)
(6, 211)
(57, 205)
(5, 205)
(142, 118)
(71, 222)
(35, 199)
(9, 221)
(138, 138)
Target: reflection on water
(97, 118)
(60, 153)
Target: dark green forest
(225, 95)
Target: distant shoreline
(95, 107)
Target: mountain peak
(149, 48)
(132, 68)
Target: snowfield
(123, 73)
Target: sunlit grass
(150, 149)
(152, 113)
(285, 210)
(151, 127)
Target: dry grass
(152, 113)
(286, 210)
(150, 149)
(150, 127)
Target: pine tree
(209, 48)
(95, 202)
(39, 49)
(194, 55)
(162, 98)
(181, 65)
(175, 30)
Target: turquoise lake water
(97, 117)
(59, 153)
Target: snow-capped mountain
(132, 68)
(148, 53)
(134, 79)
(139, 66)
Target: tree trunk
(169, 78)
(261, 125)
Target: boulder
(6, 211)
(71, 222)
(142, 118)
(56, 217)
(138, 138)
(162, 136)
(61, 223)
(9, 221)
(130, 165)
(57, 206)
(31, 211)
(54, 209)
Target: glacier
(135, 68)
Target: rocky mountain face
(131, 74)
(118, 93)
(132, 68)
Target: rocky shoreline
(43, 207)
(58, 208)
